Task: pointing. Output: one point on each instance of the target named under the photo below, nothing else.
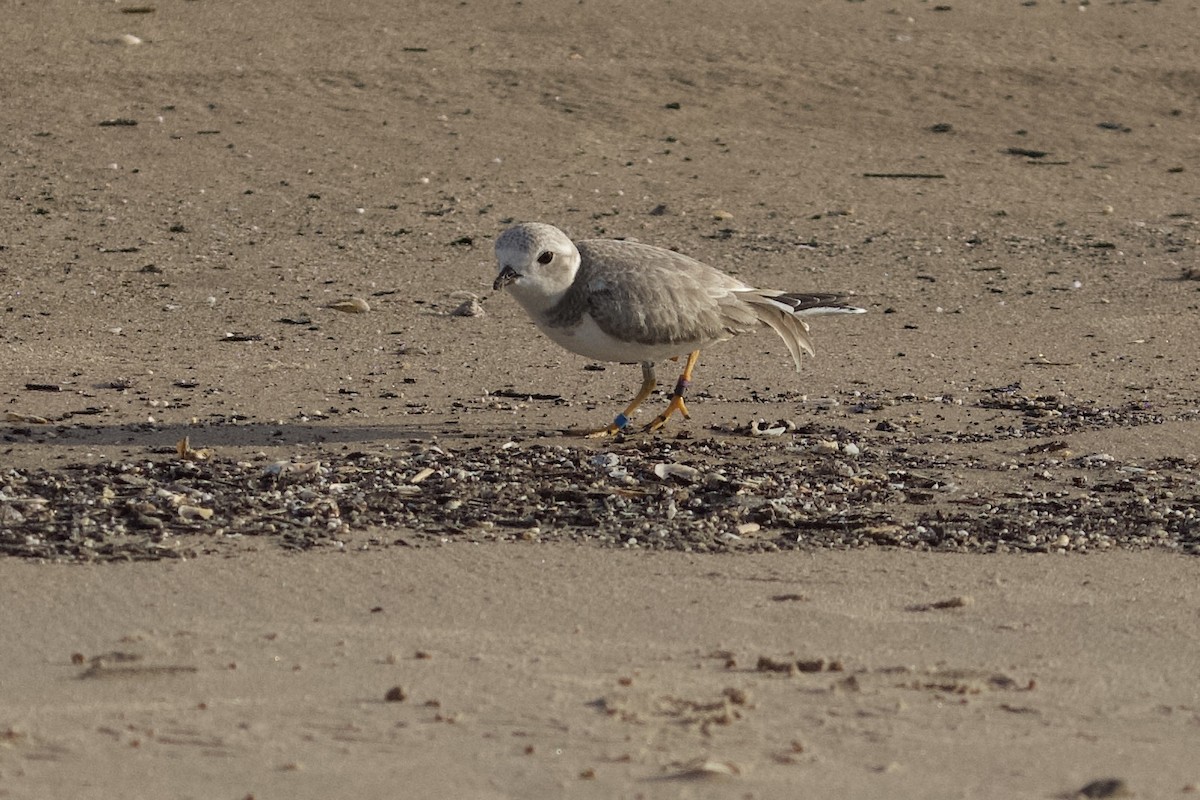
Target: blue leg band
(621, 421)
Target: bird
(623, 301)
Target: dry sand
(181, 207)
(559, 671)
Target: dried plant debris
(793, 666)
(967, 681)
(960, 601)
(706, 495)
(1048, 415)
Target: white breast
(589, 341)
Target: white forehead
(530, 238)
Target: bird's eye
(545, 257)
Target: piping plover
(614, 300)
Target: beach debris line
(794, 666)
(814, 487)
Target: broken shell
(184, 448)
(351, 305)
(605, 460)
(679, 471)
(281, 468)
(825, 447)
(193, 513)
(32, 419)
(777, 428)
(710, 768)
(174, 498)
(468, 308)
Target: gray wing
(646, 294)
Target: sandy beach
(560, 671)
(293, 504)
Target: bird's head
(536, 263)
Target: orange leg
(677, 396)
(649, 381)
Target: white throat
(541, 287)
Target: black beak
(506, 276)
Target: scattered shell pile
(703, 495)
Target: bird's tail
(784, 312)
